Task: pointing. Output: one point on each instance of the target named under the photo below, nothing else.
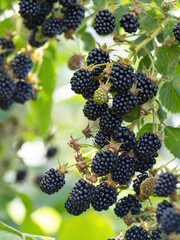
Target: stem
(158, 117)
(151, 59)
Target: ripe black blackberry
(52, 27)
(166, 184)
(80, 198)
(162, 206)
(29, 8)
(52, 181)
(109, 122)
(176, 31)
(33, 41)
(6, 104)
(68, 3)
(124, 103)
(124, 169)
(156, 234)
(147, 146)
(138, 180)
(126, 204)
(73, 17)
(51, 152)
(7, 45)
(102, 139)
(170, 221)
(23, 92)
(104, 197)
(126, 136)
(105, 22)
(103, 162)
(129, 23)
(136, 233)
(21, 175)
(98, 56)
(92, 110)
(148, 89)
(22, 65)
(145, 164)
(121, 78)
(7, 87)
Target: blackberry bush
(102, 139)
(136, 233)
(52, 27)
(23, 92)
(129, 23)
(29, 8)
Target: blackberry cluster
(125, 136)
(147, 146)
(93, 111)
(21, 175)
(124, 103)
(124, 169)
(52, 27)
(105, 22)
(7, 87)
(170, 221)
(126, 204)
(73, 17)
(52, 182)
(176, 31)
(109, 122)
(98, 56)
(137, 182)
(23, 92)
(33, 41)
(148, 89)
(129, 23)
(67, 3)
(145, 164)
(166, 184)
(136, 233)
(102, 139)
(29, 8)
(121, 78)
(7, 45)
(51, 152)
(156, 234)
(103, 162)
(162, 206)
(22, 65)
(104, 196)
(6, 104)
(80, 198)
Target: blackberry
(98, 56)
(21, 175)
(145, 164)
(121, 78)
(162, 206)
(102, 139)
(6, 104)
(170, 221)
(68, 3)
(7, 87)
(126, 136)
(83, 82)
(109, 122)
(7, 46)
(103, 162)
(23, 92)
(29, 8)
(73, 17)
(1, 63)
(105, 22)
(136, 233)
(137, 182)
(166, 184)
(52, 27)
(22, 65)
(51, 152)
(124, 103)
(147, 146)
(124, 169)
(176, 31)
(156, 234)
(89, 93)
(52, 181)
(129, 23)
(126, 204)
(148, 89)
(80, 198)
(104, 196)
(33, 41)
(92, 110)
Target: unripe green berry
(100, 96)
(166, 5)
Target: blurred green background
(28, 130)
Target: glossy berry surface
(67, 3)
(102, 139)
(29, 8)
(23, 92)
(129, 23)
(137, 182)
(176, 31)
(7, 87)
(162, 206)
(7, 45)
(136, 233)
(52, 27)
(170, 221)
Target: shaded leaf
(130, 117)
(172, 140)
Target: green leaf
(167, 59)
(168, 29)
(88, 40)
(99, 3)
(4, 235)
(161, 113)
(172, 140)
(130, 117)
(147, 21)
(169, 96)
(148, 127)
(149, 46)
(144, 62)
